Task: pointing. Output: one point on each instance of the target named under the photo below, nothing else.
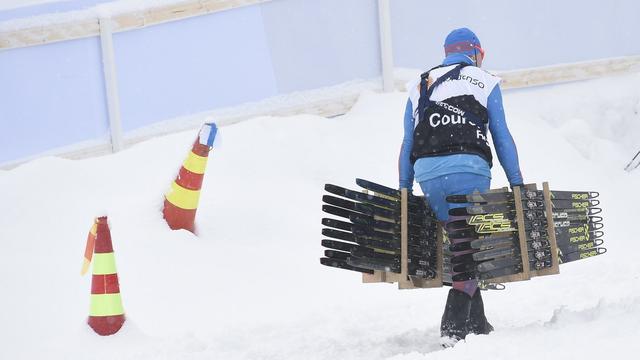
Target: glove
(514, 185)
(406, 184)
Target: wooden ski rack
(393, 237)
(412, 282)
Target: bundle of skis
(366, 235)
(498, 231)
(498, 236)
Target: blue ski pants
(437, 189)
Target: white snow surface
(250, 285)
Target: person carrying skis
(445, 149)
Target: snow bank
(250, 285)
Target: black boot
(456, 313)
(477, 323)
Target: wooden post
(386, 50)
(421, 283)
(551, 232)
(522, 237)
(522, 234)
(111, 84)
(404, 282)
(415, 282)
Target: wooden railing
(569, 72)
(85, 23)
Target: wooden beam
(111, 84)
(568, 72)
(553, 74)
(522, 238)
(551, 232)
(88, 26)
(386, 49)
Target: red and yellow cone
(106, 314)
(181, 201)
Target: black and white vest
(451, 117)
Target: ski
(497, 264)
(567, 230)
(563, 258)
(340, 255)
(578, 238)
(347, 208)
(538, 263)
(558, 205)
(377, 188)
(577, 232)
(348, 247)
(342, 264)
(374, 264)
(501, 197)
(574, 247)
(512, 251)
(337, 224)
(387, 191)
(494, 242)
(370, 221)
(500, 224)
(360, 207)
(362, 197)
(360, 229)
(384, 224)
(417, 245)
(581, 254)
(536, 215)
(415, 268)
(367, 253)
(491, 242)
(511, 265)
(634, 163)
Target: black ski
(558, 205)
(381, 189)
(362, 197)
(342, 264)
(581, 254)
(360, 207)
(634, 163)
(501, 197)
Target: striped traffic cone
(106, 314)
(181, 201)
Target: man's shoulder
(481, 70)
(489, 79)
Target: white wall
(517, 34)
(277, 47)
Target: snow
(250, 285)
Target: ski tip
(457, 199)
(458, 212)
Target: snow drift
(250, 286)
